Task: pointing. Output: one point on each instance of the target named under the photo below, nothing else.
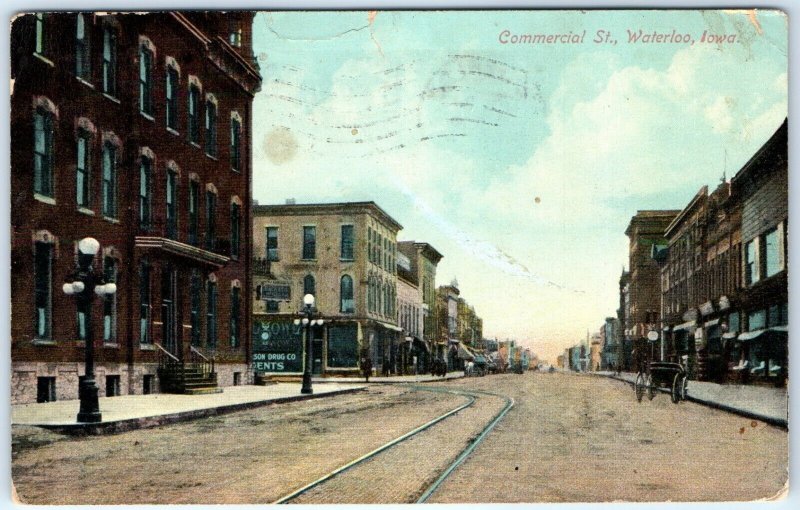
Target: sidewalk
(130, 412)
(764, 403)
(421, 378)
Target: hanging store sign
(276, 291)
(277, 346)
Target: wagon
(662, 374)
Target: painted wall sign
(277, 346)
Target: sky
(521, 163)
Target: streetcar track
(470, 447)
(473, 442)
(302, 490)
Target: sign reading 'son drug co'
(277, 346)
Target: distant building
(423, 259)
(345, 254)
(640, 289)
(447, 316)
(413, 348)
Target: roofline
(661, 212)
(703, 192)
(322, 208)
(784, 127)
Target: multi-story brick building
(424, 258)
(447, 341)
(410, 315)
(135, 130)
(762, 187)
(700, 281)
(643, 295)
(345, 254)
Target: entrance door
(168, 299)
(316, 336)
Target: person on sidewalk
(366, 364)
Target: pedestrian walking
(366, 365)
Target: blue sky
(521, 163)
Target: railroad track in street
(412, 455)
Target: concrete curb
(115, 427)
(378, 380)
(771, 420)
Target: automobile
(491, 366)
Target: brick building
(345, 254)
(134, 130)
(700, 281)
(762, 187)
(640, 296)
(423, 259)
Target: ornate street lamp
(84, 283)
(307, 320)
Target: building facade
(762, 186)
(135, 130)
(642, 290)
(724, 275)
(345, 254)
(424, 259)
(410, 316)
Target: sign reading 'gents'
(277, 347)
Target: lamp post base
(306, 389)
(90, 406)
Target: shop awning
(391, 327)
(684, 326)
(463, 353)
(711, 323)
(729, 335)
(777, 331)
(751, 335)
(421, 344)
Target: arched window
(309, 285)
(82, 59)
(346, 293)
(171, 85)
(147, 53)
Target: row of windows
(346, 294)
(409, 318)
(382, 251)
(309, 248)
(43, 297)
(83, 70)
(44, 186)
(381, 298)
(765, 255)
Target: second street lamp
(84, 283)
(308, 321)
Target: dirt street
(582, 438)
(569, 438)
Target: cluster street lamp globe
(84, 283)
(307, 320)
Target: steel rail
(373, 453)
(468, 450)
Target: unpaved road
(569, 438)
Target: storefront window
(757, 320)
(343, 346)
(733, 322)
